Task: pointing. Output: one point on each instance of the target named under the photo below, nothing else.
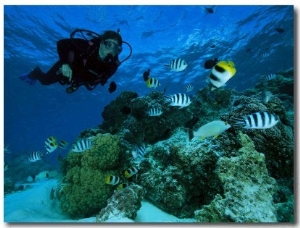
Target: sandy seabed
(34, 205)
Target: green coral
(84, 191)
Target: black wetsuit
(83, 57)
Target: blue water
(157, 35)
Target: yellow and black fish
(221, 73)
(152, 83)
(130, 172)
(122, 186)
(63, 144)
(51, 144)
(112, 180)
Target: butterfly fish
(51, 144)
(130, 172)
(112, 180)
(221, 73)
(152, 83)
(63, 144)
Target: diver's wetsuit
(88, 69)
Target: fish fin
(190, 133)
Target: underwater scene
(149, 114)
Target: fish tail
(167, 99)
(237, 122)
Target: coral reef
(276, 143)
(84, 191)
(248, 189)
(124, 203)
(226, 177)
(178, 175)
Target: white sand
(34, 205)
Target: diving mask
(112, 46)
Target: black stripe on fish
(255, 118)
(214, 77)
(219, 69)
(269, 117)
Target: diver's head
(110, 46)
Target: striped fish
(34, 156)
(152, 83)
(180, 99)
(177, 65)
(268, 77)
(51, 144)
(112, 180)
(155, 111)
(189, 88)
(257, 120)
(63, 144)
(82, 145)
(130, 172)
(122, 186)
(264, 55)
(139, 152)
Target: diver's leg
(45, 78)
(51, 76)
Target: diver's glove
(112, 87)
(31, 77)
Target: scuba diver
(83, 61)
